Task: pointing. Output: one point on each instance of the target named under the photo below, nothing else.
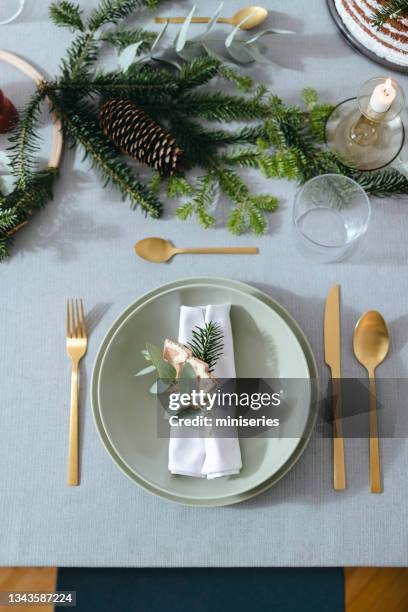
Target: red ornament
(8, 114)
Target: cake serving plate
(125, 414)
(358, 46)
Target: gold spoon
(159, 250)
(371, 342)
(256, 15)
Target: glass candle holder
(331, 214)
(10, 10)
(366, 132)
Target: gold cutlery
(332, 350)
(255, 16)
(76, 349)
(371, 342)
(159, 250)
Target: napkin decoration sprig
(178, 361)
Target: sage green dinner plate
(267, 343)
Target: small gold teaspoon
(371, 342)
(159, 250)
(255, 14)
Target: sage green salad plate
(268, 343)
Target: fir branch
(113, 11)
(178, 186)
(79, 124)
(244, 83)
(243, 157)
(66, 14)
(382, 184)
(207, 343)
(25, 140)
(80, 56)
(123, 38)
(221, 107)
(249, 209)
(197, 72)
(201, 202)
(156, 182)
(8, 219)
(199, 145)
(17, 208)
(144, 86)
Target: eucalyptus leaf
(127, 57)
(164, 369)
(230, 38)
(165, 60)
(213, 19)
(265, 32)
(146, 355)
(159, 36)
(146, 370)
(182, 35)
(187, 372)
(191, 50)
(159, 386)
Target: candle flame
(387, 87)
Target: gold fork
(76, 349)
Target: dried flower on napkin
(178, 361)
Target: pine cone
(137, 135)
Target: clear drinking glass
(330, 217)
(10, 10)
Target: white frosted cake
(390, 42)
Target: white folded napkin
(204, 456)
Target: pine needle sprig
(203, 199)
(221, 107)
(144, 86)
(249, 209)
(67, 14)
(207, 343)
(382, 184)
(113, 11)
(243, 82)
(243, 157)
(177, 185)
(25, 140)
(18, 207)
(81, 127)
(122, 38)
(80, 56)
(198, 72)
(199, 144)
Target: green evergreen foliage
(207, 343)
(122, 38)
(67, 15)
(280, 140)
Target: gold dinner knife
(332, 352)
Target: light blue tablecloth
(82, 245)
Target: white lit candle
(382, 97)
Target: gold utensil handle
(222, 250)
(194, 20)
(73, 472)
(339, 465)
(375, 471)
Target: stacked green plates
(268, 343)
